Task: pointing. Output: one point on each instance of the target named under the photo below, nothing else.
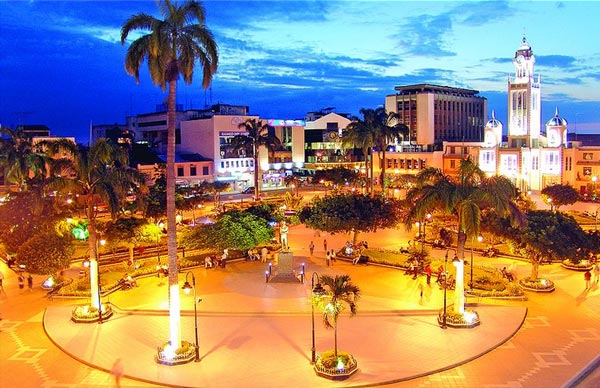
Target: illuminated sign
(286, 123)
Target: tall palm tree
(100, 173)
(172, 46)
(388, 130)
(21, 162)
(361, 133)
(257, 135)
(464, 197)
(339, 289)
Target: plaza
(253, 333)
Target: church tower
(524, 100)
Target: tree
(339, 289)
(361, 134)
(234, 229)
(258, 135)
(19, 159)
(337, 176)
(559, 195)
(171, 47)
(96, 174)
(463, 197)
(388, 131)
(350, 213)
(46, 253)
(548, 234)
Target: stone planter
(467, 320)
(167, 355)
(88, 314)
(583, 265)
(341, 371)
(538, 285)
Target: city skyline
(283, 59)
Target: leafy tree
(267, 211)
(559, 195)
(23, 216)
(19, 159)
(464, 197)
(258, 134)
(171, 47)
(350, 213)
(98, 174)
(46, 253)
(337, 176)
(547, 234)
(234, 229)
(340, 290)
(216, 188)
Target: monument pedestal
(284, 273)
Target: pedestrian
(117, 371)
(596, 272)
(263, 254)
(21, 280)
(327, 258)
(428, 273)
(1, 282)
(421, 292)
(30, 282)
(333, 258)
(587, 276)
(325, 245)
(311, 247)
(416, 268)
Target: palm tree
(464, 197)
(388, 131)
(21, 162)
(172, 46)
(100, 173)
(361, 133)
(257, 135)
(339, 289)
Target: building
(435, 114)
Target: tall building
(435, 114)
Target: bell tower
(524, 100)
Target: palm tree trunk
(382, 177)
(335, 352)
(256, 171)
(174, 304)
(372, 183)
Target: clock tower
(524, 100)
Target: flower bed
(466, 320)
(537, 285)
(169, 355)
(510, 290)
(89, 314)
(340, 368)
(583, 265)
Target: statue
(283, 231)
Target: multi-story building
(434, 114)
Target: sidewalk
(250, 330)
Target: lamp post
(444, 326)
(594, 180)
(94, 266)
(186, 288)
(160, 227)
(316, 291)
(480, 239)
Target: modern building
(435, 114)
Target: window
(193, 171)
(453, 163)
(205, 170)
(180, 171)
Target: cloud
(556, 61)
(424, 35)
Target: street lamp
(186, 288)
(455, 258)
(160, 228)
(317, 291)
(480, 239)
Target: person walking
(117, 372)
(311, 247)
(328, 258)
(596, 272)
(428, 273)
(325, 245)
(2, 283)
(21, 280)
(30, 282)
(333, 258)
(587, 276)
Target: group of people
(215, 261)
(330, 257)
(587, 276)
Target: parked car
(248, 190)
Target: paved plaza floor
(257, 334)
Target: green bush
(329, 361)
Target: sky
(62, 63)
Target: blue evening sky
(62, 62)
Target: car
(248, 190)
